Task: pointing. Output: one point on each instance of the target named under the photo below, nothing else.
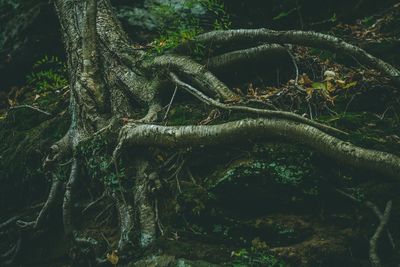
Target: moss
(185, 114)
(283, 165)
(368, 130)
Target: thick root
(196, 73)
(311, 39)
(265, 52)
(250, 129)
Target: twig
(373, 254)
(296, 81)
(170, 102)
(160, 227)
(30, 107)
(373, 207)
(94, 203)
(379, 214)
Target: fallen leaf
(113, 257)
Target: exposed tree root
(196, 73)
(344, 152)
(144, 207)
(265, 51)
(126, 220)
(311, 39)
(268, 113)
(53, 199)
(68, 203)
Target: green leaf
(318, 86)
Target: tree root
(268, 113)
(311, 39)
(373, 254)
(68, 202)
(144, 207)
(195, 72)
(246, 129)
(11, 221)
(383, 220)
(9, 257)
(265, 51)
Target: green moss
(255, 257)
(96, 154)
(185, 114)
(282, 165)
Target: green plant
(48, 73)
(48, 80)
(255, 257)
(99, 163)
(179, 27)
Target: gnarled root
(311, 39)
(247, 129)
(265, 51)
(144, 206)
(126, 220)
(196, 73)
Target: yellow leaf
(113, 257)
(309, 92)
(341, 83)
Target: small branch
(93, 203)
(170, 103)
(371, 206)
(296, 81)
(29, 107)
(15, 218)
(373, 254)
(158, 220)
